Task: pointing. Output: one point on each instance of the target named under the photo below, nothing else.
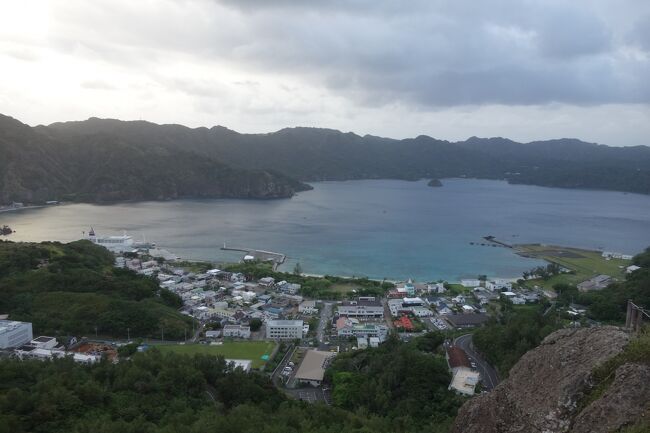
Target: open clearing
(584, 263)
(253, 350)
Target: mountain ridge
(171, 161)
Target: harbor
(251, 254)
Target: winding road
(488, 373)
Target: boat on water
(120, 243)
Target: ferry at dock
(113, 243)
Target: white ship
(112, 243)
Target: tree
(297, 270)
(255, 324)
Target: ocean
(375, 228)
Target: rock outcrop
(546, 389)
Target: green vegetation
(103, 160)
(638, 352)
(73, 289)
(253, 350)
(609, 304)
(521, 328)
(96, 166)
(255, 324)
(158, 392)
(327, 287)
(583, 264)
(406, 382)
(196, 267)
(504, 340)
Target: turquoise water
(375, 228)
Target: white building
(244, 364)
(362, 308)
(284, 329)
(470, 283)
(44, 342)
(212, 334)
(631, 269)
(289, 288)
(308, 307)
(465, 381)
(237, 331)
(14, 334)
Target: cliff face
(547, 389)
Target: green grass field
(253, 350)
(584, 263)
(344, 288)
(459, 289)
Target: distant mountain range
(101, 160)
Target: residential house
(308, 307)
(237, 331)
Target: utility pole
(95, 331)
(128, 334)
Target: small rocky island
(435, 183)
(5, 231)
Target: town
(267, 324)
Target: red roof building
(404, 323)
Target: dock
(264, 256)
(498, 242)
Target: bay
(376, 228)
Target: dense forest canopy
(156, 392)
(74, 289)
(406, 382)
(399, 387)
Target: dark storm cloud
(442, 53)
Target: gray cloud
(266, 64)
(446, 53)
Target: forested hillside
(36, 166)
(73, 289)
(105, 160)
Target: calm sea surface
(375, 228)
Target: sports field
(253, 350)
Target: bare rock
(544, 387)
(626, 399)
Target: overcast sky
(521, 69)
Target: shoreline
(17, 209)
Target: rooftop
(285, 323)
(313, 366)
(361, 303)
(10, 325)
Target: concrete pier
(261, 255)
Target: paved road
(387, 315)
(488, 373)
(323, 324)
